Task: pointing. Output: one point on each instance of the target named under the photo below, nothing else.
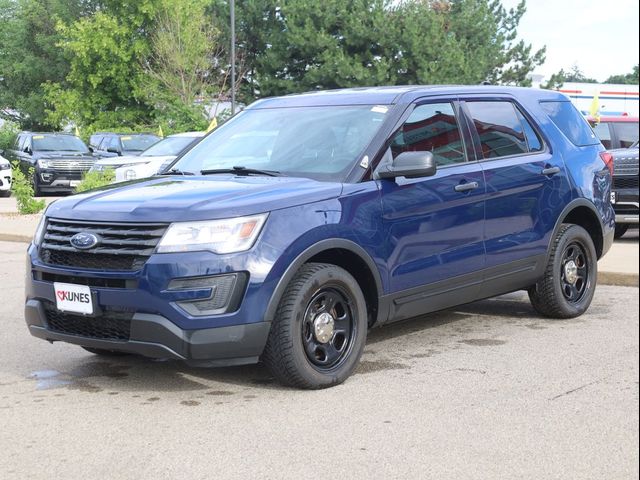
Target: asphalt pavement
(485, 391)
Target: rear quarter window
(570, 122)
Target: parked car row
(59, 160)
(619, 135)
(6, 177)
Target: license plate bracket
(71, 297)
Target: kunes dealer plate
(73, 298)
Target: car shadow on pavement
(129, 373)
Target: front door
(434, 225)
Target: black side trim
(314, 250)
(581, 202)
(465, 288)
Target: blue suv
(288, 232)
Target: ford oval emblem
(84, 240)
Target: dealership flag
(594, 111)
(160, 132)
(212, 125)
(77, 131)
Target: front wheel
(320, 328)
(569, 281)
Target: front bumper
(51, 180)
(157, 323)
(155, 336)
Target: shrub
(8, 132)
(91, 180)
(23, 191)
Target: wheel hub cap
(571, 272)
(323, 327)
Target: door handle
(465, 187)
(550, 171)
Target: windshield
(54, 143)
(138, 143)
(168, 146)
(315, 142)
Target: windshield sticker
(126, 138)
(365, 162)
(38, 137)
(380, 109)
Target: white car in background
(155, 158)
(6, 177)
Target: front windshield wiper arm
(242, 171)
(175, 171)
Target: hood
(169, 199)
(124, 160)
(63, 154)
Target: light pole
(233, 56)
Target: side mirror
(113, 150)
(409, 165)
(91, 149)
(28, 150)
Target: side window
(26, 143)
(115, 143)
(533, 140)
(431, 128)
(499, 129)
(19, 143)
(570, 122)
(627, 133)
(603, 133)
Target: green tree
(29, 55)
(346, 43)
(626, 78)
(179, 74)
(104, 85)
(574, 75)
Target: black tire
(299, 352)
(565, 291)
(37, 192)
(105, 353)
(621, 229)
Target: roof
(396, 94)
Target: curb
(618, 279)
(12, 237)
(604, 278)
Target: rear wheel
(319, 330)
(621, 229)
(569, 281)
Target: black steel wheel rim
(336, 302)
(574, 278)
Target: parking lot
(488, 390)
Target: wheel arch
(583, 213)
(347, 255)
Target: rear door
(434, 225)
(526, 188)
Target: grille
(121, 246)
(70, 164)
(625, 165)
(109, 326)
(625, 182)
(89, 281)
(622, 209)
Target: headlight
(39, 234)
(220, 236)
(44, 163)
(5, 166)
(130, 175)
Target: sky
(600, 37)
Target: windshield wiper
(242, 171)
(175, 171)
